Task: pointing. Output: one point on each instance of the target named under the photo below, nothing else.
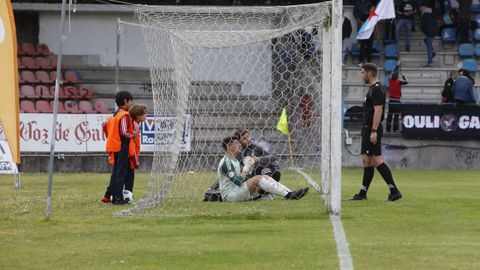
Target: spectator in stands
(307, 106)
(396, 80)
(466, 74)
(447, 94)
(463, 90)
(237, 183)
(429, 25)
(405, 15)
(308, 45)
(361, 10)
(346, 32)
(119, 132)
(465, 8)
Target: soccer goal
(218, 69)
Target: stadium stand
(43, 91)
(470, 65)
(43, 77)
(449, 35)
(466, 50)
(29, 77)
(391, 51)
(27, 106)
(43, 63)
(27, 91)
(86, 107)
(43, 106)
(28, 62)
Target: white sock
(272, 186)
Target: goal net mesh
(218, 69)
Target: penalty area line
(343, 251)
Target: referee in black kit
(372, 132)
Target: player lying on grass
(236, 183)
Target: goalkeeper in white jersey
(236, 185)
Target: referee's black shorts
(368, 148)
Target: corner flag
(282, 124)
(384, 10)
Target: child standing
(138, 113)
(118, 141)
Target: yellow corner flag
(282, 124)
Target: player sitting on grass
(236, 185)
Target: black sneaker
(119, 201)
(359, 197)
(297, 195)
(395, 196)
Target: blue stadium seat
(470, 65)
(476, 34)
(355, 50)
(376, 50)
(391, 51)
(475, 8)
(466, 50)
(477, 19)
(449, 35)
(477, 49)
(389, 65)
(386, 81)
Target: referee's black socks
(387, 176)
(367, 179)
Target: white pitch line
(343, 251)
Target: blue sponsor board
(161, 131)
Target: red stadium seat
(43, 91)
(42, 62)
(53, 76)
(71, 77)
(27, 106)
(61, 108)
(71, 92)
(19, 62)
(86, 92)
(43, 49)
(61, 92)
(43, 77)
(72, 106)
(43, 106)
(20, 79)
(86, 106)
(102, 107)
(29, 77)
(53, 60)
(27, 91)
(29, 49)
(29, 63)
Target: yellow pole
(290, 149)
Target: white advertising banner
(166, 127)
(7, 166)
(83, 133)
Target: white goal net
(215, 70)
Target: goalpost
(218, 69)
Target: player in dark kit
(372, 131)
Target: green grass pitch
(435, 226)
